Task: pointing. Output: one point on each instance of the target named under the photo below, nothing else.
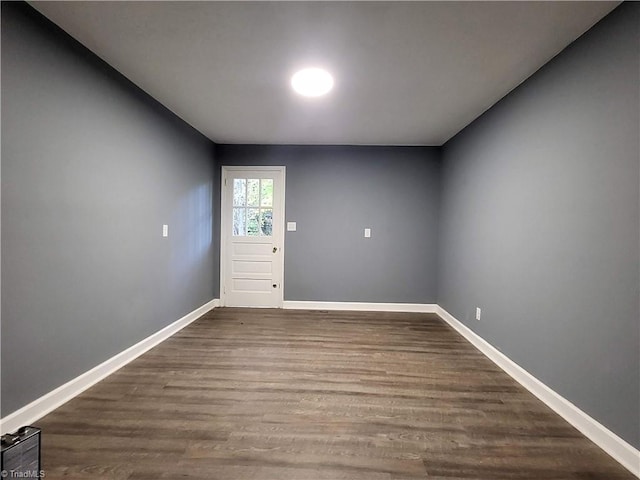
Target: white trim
(621, 451)
(283, 234)
(625, 454)
(361, 306)
(225, 220)
(40, 407)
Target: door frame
(225, 219)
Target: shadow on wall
(200, 220)
(194, 217)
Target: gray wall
(333, 193)
(538, 203)
(91, 169)
(540, 224)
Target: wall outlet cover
(478, 313)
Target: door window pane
(253, 192)
(253, 221)
(266, 222)
(239, 192)
(239, 224)
(266, 192)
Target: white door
(252, 236)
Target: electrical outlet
(478, 313)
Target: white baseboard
(615, 446)
(621, 451)
(39, 408)
(361, 306)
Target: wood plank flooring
(278, 394)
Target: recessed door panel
(251, 285)
(248, 267)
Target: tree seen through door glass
(253, 220)
(248, 196)
(239, 225)
(253, 192)
(266, 222)
(239, 192)
(266, 192)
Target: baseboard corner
(38, 408)
(612, 444)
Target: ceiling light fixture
(312, 82)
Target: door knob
(275, 249)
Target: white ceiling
(406, 73)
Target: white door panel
(252, 267)
(252, 235)
(251, 285)
(248, 247)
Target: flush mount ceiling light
(312, 82)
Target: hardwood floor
(280, 394)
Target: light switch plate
(367, 233)
(291, 226)
(165, 230)
(478, 313)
